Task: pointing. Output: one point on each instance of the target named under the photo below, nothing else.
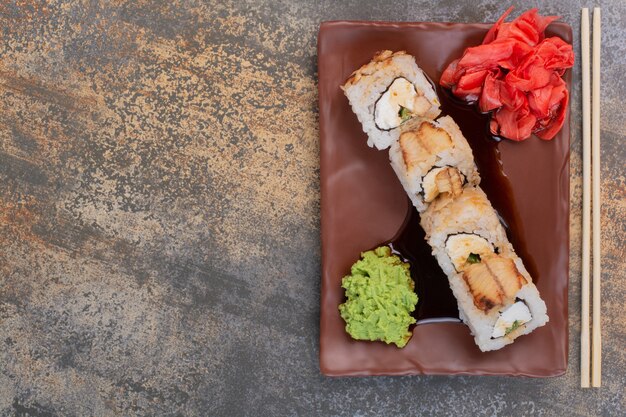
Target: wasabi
(380, 298)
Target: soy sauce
(435, 299)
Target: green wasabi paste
(380, 298)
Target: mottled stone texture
(159, 216)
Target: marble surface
(159, 216)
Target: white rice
(481, 324)
(471, 212)
(459, 156)
(370, 81)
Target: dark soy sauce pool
(435, 297)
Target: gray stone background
(159, 215)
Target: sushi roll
(498, 301)
(432, 157)
(386, 93)
(494, 291)
(397, 108)
(459, 226)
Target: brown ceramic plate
(363, 205)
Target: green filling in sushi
(513, 327)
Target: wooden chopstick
(596, 358)
(585, 351)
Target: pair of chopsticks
(591, 192)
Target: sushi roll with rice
(397, 107)
(494, 291)
(456, 227)
(386, 93)
(498, 301)
(432, 157)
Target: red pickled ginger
(516, 73)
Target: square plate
(364, 205)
